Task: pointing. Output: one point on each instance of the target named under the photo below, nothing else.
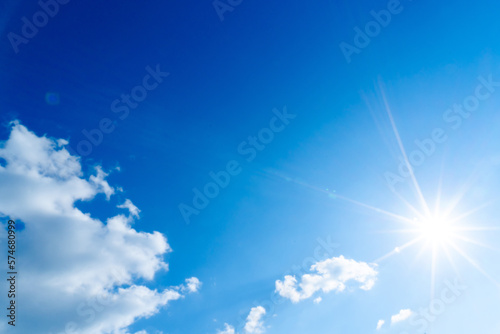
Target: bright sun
(436, 229)
(443, 228)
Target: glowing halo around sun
(442, 232)
(436, 229)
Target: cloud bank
(78, 274)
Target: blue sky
(329, 174)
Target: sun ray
(397, 250)
(452, 262)
(472, 211)
(406, 230)
(439, 190)
(433, 269)
(422, 250)
(479, 228)
(377, 121)
(475, 242)
(437, 230)
(347, 199)
(387, 213)
(473, 263)
(461, 193)
(411, 207)
(403, 152)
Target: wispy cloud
(134, 211)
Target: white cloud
(254, 324)
(134, 211)
(76, 266)
(318, 300)
(193, 284)
(331, 275)
(101, 184)
(401, 316)
(380, 323)
(227, 330)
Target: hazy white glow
(436, 229)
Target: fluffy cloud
(78, 273)
(380, 323)
(228, 329)
(401, 316)
(192, 284)
(253, 324)
(331, 275)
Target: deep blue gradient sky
(226, 77)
